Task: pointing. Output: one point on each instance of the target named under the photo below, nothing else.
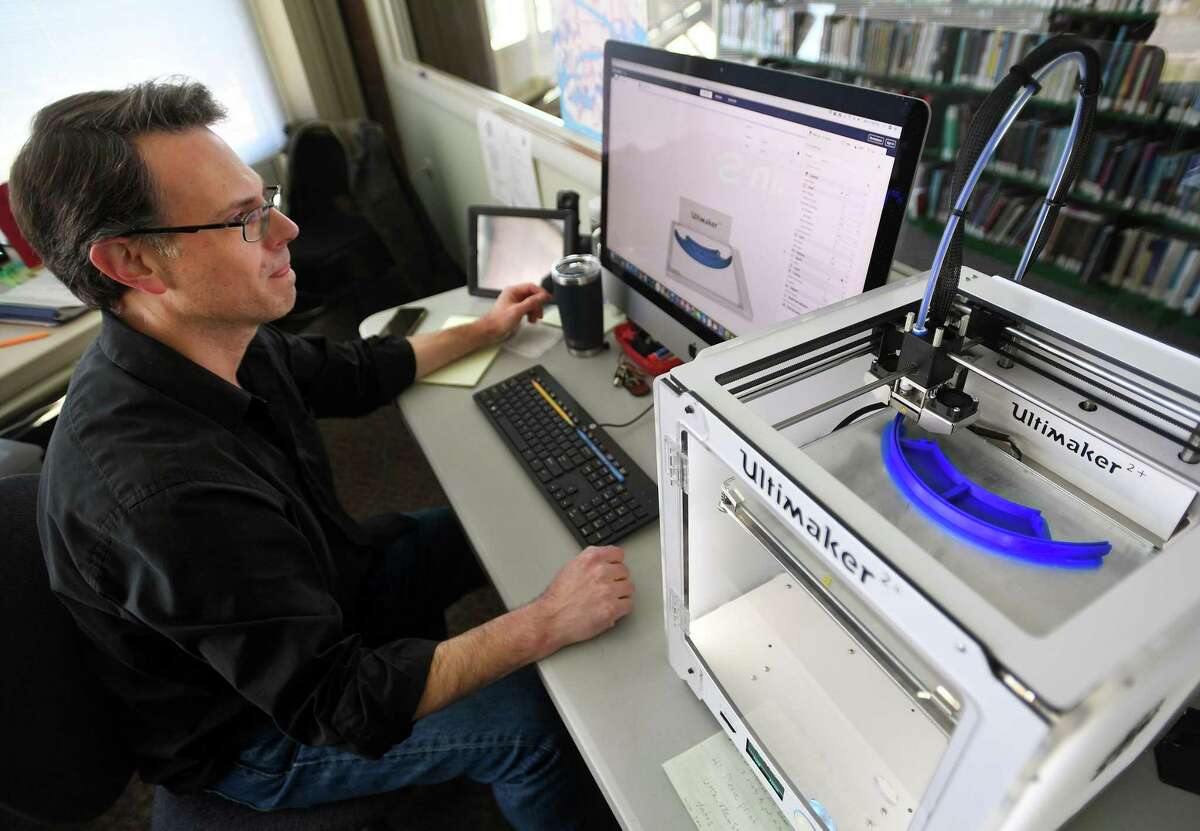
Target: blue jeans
(507, 735)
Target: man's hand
(433, 350)
(587, 596)
(515, 302)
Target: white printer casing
(873, 669)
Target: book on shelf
(1191, 301)
(1086, 243)
(930, 52)
(1119, 172)
(1187, 275)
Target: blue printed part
(710, 257)
(930, 481)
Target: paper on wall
(508, 159)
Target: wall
(436, 116)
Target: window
(522, 39)
(71, 46)
(507, 22)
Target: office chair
(63, 760)
(337, 246)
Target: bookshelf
(1129, 240)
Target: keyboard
(597, 490)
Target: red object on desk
(653, 364)
(8, 225)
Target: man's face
(218, 279)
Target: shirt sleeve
(348, 378)
(250, 600)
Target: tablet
(513, 245)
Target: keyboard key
(580, 477)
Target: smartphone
(405, 321)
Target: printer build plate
(1038, 599)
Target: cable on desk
(631, 421)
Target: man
(263, 645)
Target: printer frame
(1038, 709)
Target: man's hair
(79, 178)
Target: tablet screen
(515, 249)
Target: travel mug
(577, 291)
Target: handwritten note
(720, 791)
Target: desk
(624, 706)
(36, 373)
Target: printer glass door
(845, 716)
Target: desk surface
(624, 706)
(36, 372)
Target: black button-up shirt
(191, 528)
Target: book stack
(41, 300)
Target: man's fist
(515, 302)
(587, 596)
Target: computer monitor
(736, 197)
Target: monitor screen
(737, 197)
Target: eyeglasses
(254, 224)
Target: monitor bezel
(911, 114)
(476, 211)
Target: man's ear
(123, 261)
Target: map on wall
(581, 27)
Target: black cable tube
(984, 124)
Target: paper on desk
(612, 316)
(466, 371)
(508, 160)
(720, 791)
(43, 291)
(532, 340)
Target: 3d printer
(930, 554)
